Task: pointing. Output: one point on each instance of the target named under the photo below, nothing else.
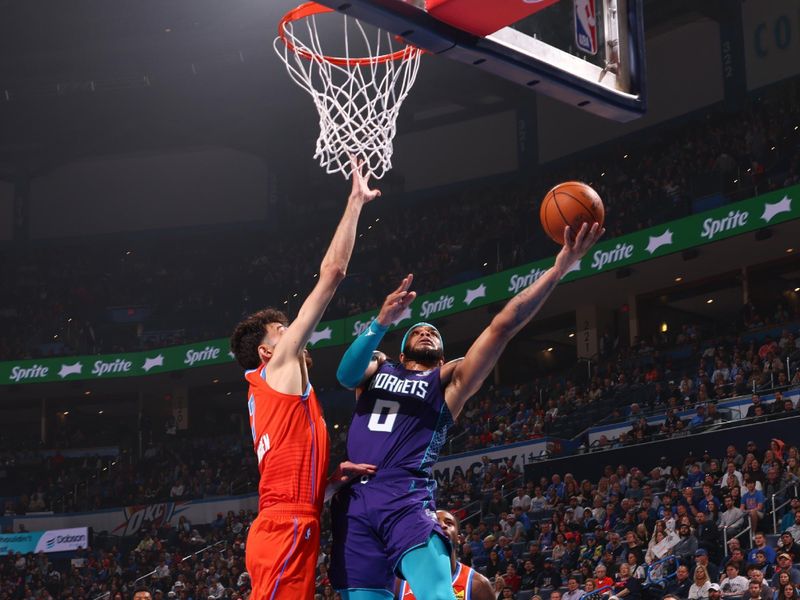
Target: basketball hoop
(358, 98)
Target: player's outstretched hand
(361, 191)
(348, 470)
(396, 303)
(577, 245)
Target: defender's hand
(348, 470)
(361, 192)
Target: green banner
(107, 366)
(675, 236)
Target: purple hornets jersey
(401, 420)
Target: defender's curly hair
(250, 332)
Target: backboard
(588, 53)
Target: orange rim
(309, 9)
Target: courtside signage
(55, 540)
(675, 236)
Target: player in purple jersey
(386, 525)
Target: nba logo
(585, 26)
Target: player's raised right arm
(332, 271)
(469, 374)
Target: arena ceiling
(97, 77)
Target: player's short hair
(250, 332)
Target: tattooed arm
(469, 374)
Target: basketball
(570, 203)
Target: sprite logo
(207, 353)
(735, 219)
(601, 258)
(443, 303)
(32, 372)
(118, 366)
(520, 282)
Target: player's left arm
(481, 588)
(469, 374)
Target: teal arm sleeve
(356, 360)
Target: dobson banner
(55, 540)
(675, 236)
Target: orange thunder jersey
(291, 442)
(462, 584)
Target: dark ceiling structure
(98, 77)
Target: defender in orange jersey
(468, 584)
(289, 433)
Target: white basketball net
(358, 99)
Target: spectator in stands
(733, 584)
(601, 578)
(512, 579)
(757, 575)
(754, 591)
(794, 529)
(732, 518)
(700, 585)
(573, 590)
(753, 504)
(707, 533)
(760, 545)
(787, 592)
(529, 575)
(521, 500)
(785, 566)
(701, 559)
(626, 585)
(681, 584)
(686, 546)
(507, 593)
(762, 565)
(788, 546)
(549, 578)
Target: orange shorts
(281, 552)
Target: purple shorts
(375, 523)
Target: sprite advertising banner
(55, 540)
(711, 226)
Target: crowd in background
(181, 561)
(538, 535)
(682, 377)
(651, 529)
(133, 293)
